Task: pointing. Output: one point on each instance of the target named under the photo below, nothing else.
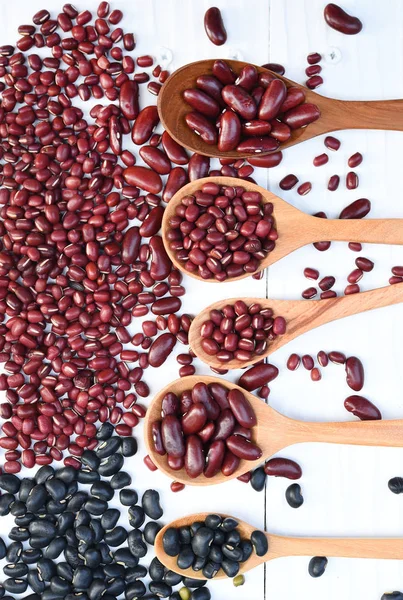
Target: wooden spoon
(335, 114)
(300, 315)
(273, 432)
(295, 228)
(282, 546)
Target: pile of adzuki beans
(222, 232)
(250, 113)
(207, 430)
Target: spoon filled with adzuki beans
(203, 430)
(236, 333)
(207, 546)
(233, 109)
(223, 228)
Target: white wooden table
(345, 488)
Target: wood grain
(295, 228)
(301, 316)
(335, 114)
(282, 546)
(273, 431)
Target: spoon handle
(361, 433)
(372, 231)
(391, 548)
(363, 114)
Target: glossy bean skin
(202, 126)
(129, 99)
(356, 210)
(242, 409)
(200, 393)
(224, 425)
(301, 115)
(354, 373)
(248, 77)
(268, 161)
(157, 438)
(152, 223)
(230, 131)
(214, 26)
(131, 245)
(295, 97)
(198, 167)
(195, 419)
(362, 408)
(169, 405)
(223, 72)
(144, 178)
(156, 159)
(256, 127)
(160, 349)
(214, 458)
(283, 467)
(258, 144)
(240, 101)
(272, 100)
(230, 463)
(175, 152)
(220, 395)
(202, 102)
(243, 448)
(177, 178)
(194, 456)
(341, 21)
(145, 123)
(211, 86)
(172, 436)
(257, 376)
(160, 262)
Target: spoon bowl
(335, 114)
(295, 228)
(300, 315)
(272, 433)
(282, 546)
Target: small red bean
(320, 160)
(313, 58)
(293, 362)
(311, 273)
(333, 183)
(307, 362)
(352, 180)
(288, 182)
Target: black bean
(18, 508)
(128, 497)
(392, 596)
(230, 567)
(215, 554)
(3, 549)
(193, 583)
(92, 558)
(9, 482)
(136, 516)
(124, 557)
(175, 596)
(25, 487)
(42, 528)
(90, 459)
(20, 534)
(24, 520)
(36, 498)
(64, 522)
(259, 542)
(293, 495)
(72, 488)
(134, 590)
(64, 570)
(46, 568)
(84, 534)
(116, 586)
(5, 502)
(111, 465)
(151, 504)
(35, 582)
(44, 473)
(31, 556)
(258, 479)
(172, 578)
(15, 586)
(229, 524)
(102, 490)
(83, 517)
(96, 506)
(135, 543)
(247, 549)
(60, 586)
(219, 537)
(317, 566)
(17, 570)
(185, 535)
(96, 589)
(210, 570)
(87, 477)
(77, 501)
(160, 589)
(56, 507)
(109, 447)
(202, 593)
(14, 551)
(128, 446)
(232, 553)
(97, 529)
(105, 431)
(195, 526)
(233, 538)
(199, 563)
(29, 597)
(396, 485)
(185, 557)
(110, 518)
(134, 573)
(116, 536)
(121, 480)
(105, 553)
(156, 570)
(170, 541)
(82, 578)
(55, 548)
(150, 532)
(71, 555)
(202, 541)
(213, 521)
(67, 474)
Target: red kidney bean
(364, 264)
(214, 26)
(320, 160)
(356, 210)
(243, 448)
(362, 408)
(176, 153)
(293, 362)
(224, 425)
(194, 456)
(288, 182)
(309, 293)
(131, 245)
(172, 436)
(157, 438)
(145, 123)
(156, 159)
(202, 102)
(248, 77)
(230, 463)
(176, 179)
(351, 180)
(202, 127)
(275, 67)
(332, 143)
(201, 394)
(333, 183)
(258, 144)
(160, 349)
(295, 97)
(355, 160)
(267, 161)
(272, 100)
(214, 458)
(257, 376)
(304, 188)
(152, 223)
(144, 178)
(241, 409)
(283, 467)
(223, 72)
(301, 115)
(230, 131)
(194, 419)
(354, 373)
(129, 99)
(341, 21)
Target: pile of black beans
(211, 545)
(68, 543)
